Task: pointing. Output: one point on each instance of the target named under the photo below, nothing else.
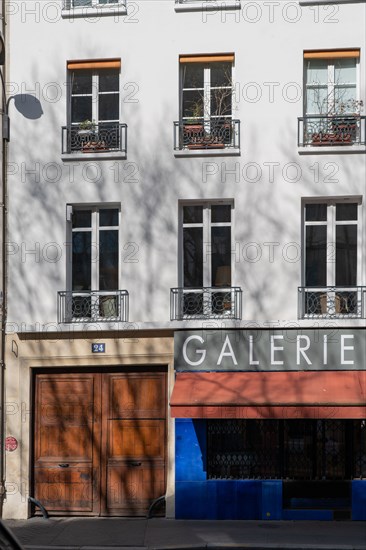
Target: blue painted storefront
(199, 498)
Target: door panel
(134, 426)
(67, 467)
(100, 442)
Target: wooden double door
(99, 442)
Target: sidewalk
(140, 534)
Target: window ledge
(230, 152)
(70, 157)
(317, 2)
(333, 149)
(94, 11)
(208, 5)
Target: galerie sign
(270, 350)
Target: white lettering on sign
(325, 349)
(276, 348)
(346, 348)
(251, 358)
(202, 352)
(229, 353)
(301, 350)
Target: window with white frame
(94, 106)
(206, 97)
(206, 88)
(94, 95)
(94, 277)
(332, 102)
(206, 262)
(332, 257)
(331, 82)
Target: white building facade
(186, 258)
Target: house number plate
(98, 348)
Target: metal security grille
(286, 449)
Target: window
(206, 102)
(285, 449)
(94, 266)
(332, 103)
(331, 269)
(94, 107)
(206, 263)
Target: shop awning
(305, 394)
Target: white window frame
(94, 230)
(331, 225)
(95, 93)
(206, 227)
(206, 91)
(331, 84)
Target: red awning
(295, 394)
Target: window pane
(221, 102)
(192, 104)
(109, 107)
(316, 212)
(346, 255)
(81, 260)
(108, 81)
(81, 218)
(221, 74)
(192, 75)
(108, 217)
(192, 214)
(346, 211)
(81, 109)
(220, 213)
(317, 100)
(221, 256)
(345, 71)
(193, 257)
(317, 71)
(345, 99)
(316, 256)
(81, 82)
(108, 260)
(78, 3)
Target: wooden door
(67, 435)
(100, 442)
(134, 418)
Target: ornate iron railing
(320, 130)
(286, 449)
(329, 302)
(71, 4)
(205, 303)
(216, 133)
(99, 139)
(92, 306)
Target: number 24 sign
(98, 348)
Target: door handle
(134, 463)
(64, 465)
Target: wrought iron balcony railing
(337, 130)
(332, 302)
(216, 133)
(85, 306)
(205, 303)
(71, 4)
(101, 138)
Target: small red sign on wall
(11, 444)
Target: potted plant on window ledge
(90, 141)
(340, 124)
(86, 128)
